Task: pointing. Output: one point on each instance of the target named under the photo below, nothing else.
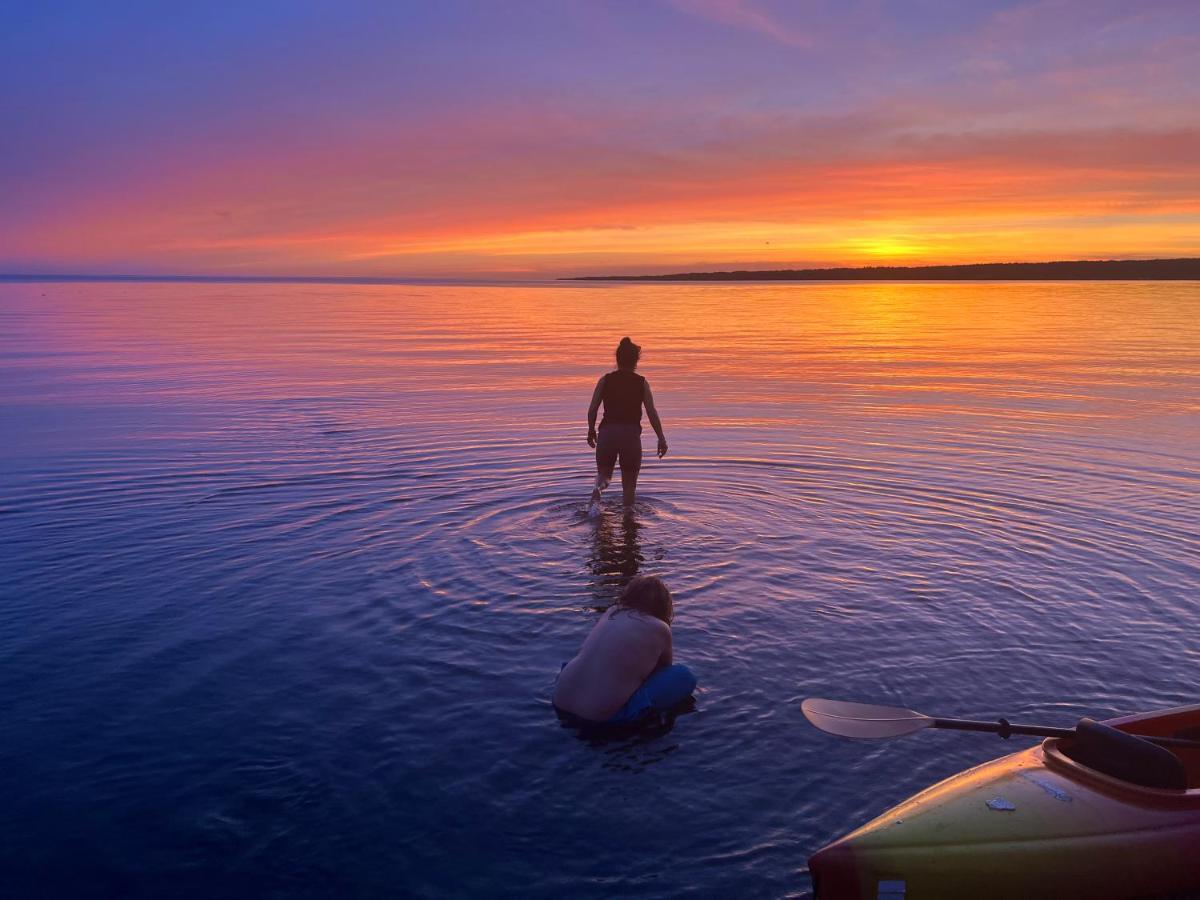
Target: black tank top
(623, 393)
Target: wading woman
(623, 392)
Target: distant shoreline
(1186, 269)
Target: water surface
(288, 569)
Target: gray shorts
(619, 440)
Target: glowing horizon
(595, 138)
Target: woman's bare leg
(629, 485)
(602, 481)
(606, 461)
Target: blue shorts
(661, 692)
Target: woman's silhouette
(623, 393)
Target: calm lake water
(288, 570)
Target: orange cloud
(523, 191)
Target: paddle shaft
(1004, 728)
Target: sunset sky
(550, 137)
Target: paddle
(863, 720)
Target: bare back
(621, 652)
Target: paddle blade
(862, 720)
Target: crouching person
(625, 670)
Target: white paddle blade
(862, 720)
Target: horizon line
(259, 279)
(813, 274)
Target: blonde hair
(648, 594)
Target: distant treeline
(1078, 270)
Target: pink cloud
(743, 14)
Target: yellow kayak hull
(1029, 825)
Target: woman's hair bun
(628, 353)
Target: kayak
(1066, 818)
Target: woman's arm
(597, 394)
(652, 415)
